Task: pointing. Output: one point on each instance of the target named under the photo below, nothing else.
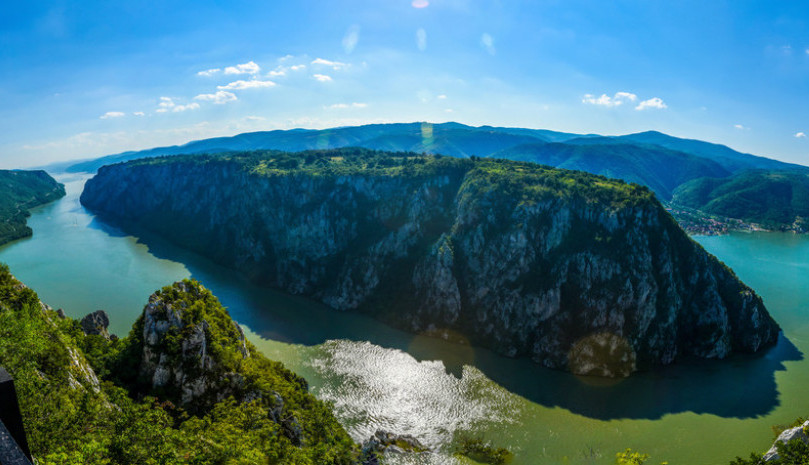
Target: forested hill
(451, 139)
(774, 199)
(19, 192)
(529, 260)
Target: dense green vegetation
(20, 191)
(523, 181)
(775, 199)
(71, 418)
(659, 168)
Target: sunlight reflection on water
(372, 387)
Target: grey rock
(96, 323)
(797, 433)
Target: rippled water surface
(376, 376)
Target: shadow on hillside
(740, 387)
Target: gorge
(577, 271)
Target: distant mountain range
(657, 160)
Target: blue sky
(79, 81)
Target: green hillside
(775, 199)
(20, 191)
(85, 400)
(659, 168)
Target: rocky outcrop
(577, 271)
(385, 442)
(798, 433)
(96, 324)
(177, 355)
(194, 354)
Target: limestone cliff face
(176, 349)
(528, 269)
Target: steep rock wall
(532, 269)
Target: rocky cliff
(577, 271)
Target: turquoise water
(377, 376)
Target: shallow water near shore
(378, 377)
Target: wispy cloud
(800, 135)
(420, 3)
(441, 97)
(421, 39)
(487, 42)
(322, 77)
(654, 102)
(190, 106)
(139, 113)
(332, 64)
(239, 85)
(606, 101)
(741, 127)
(343, 106)
(278, 72)
(209, 72)
(219, 98)
(112, 114)
(245, 68)
(166, 104)
(297, 67)
(351, 38)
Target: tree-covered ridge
(20, 191)
(658, 168)
(73, 416)
(526, 181)
(775, 199)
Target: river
(689, 414)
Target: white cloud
(297, 67)
(333, 64)
(351, 38)
(421, 39)
(606, 101)
(420, 3)
(487, 42)
(342, 106)
(139, 113)
(112, 114)
(322, 77)
(448, 110)
(654, 102)
(807, 51)
(166, 103)
(278, 72)
(741, 127)
(209, 72)
(254, 118)
(190, 106)
(219, 98)
(442, 97)
(800, 135)
(245, 68)
(239, 85)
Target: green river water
(690, 414)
